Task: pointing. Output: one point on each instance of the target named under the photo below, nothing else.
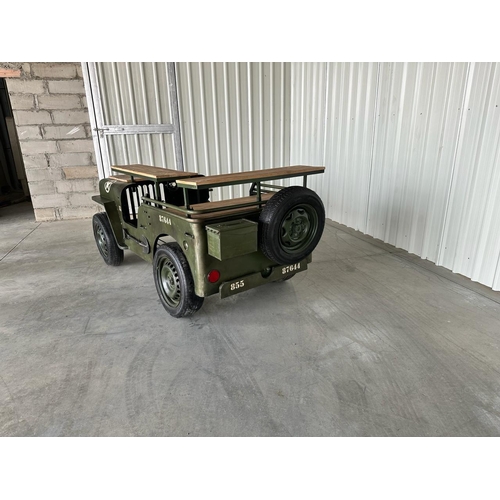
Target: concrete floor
(369, 341)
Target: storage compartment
(232, 239)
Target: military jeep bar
(223, 247)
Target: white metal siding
(411, 149)
(134, 93)
(234, 117)
(416, 131)
(333, 106)
(134, 113)
(412, 155)
(146, 149)
(471, 239)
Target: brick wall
(50, 111)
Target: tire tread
(115, 253)
(268, 221)
(190, 302)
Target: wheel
(105, 240)
(291, 224)
(174, 281)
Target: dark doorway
(13, 185)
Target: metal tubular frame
(188, 211)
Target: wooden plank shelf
(154, 173)
(216, 215)
(125, 178)
(210, 205)
(247, 177)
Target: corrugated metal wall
(471, 237)
(234, 117)
(332, 124)
(411, 150)
(412, 155)
(416, 131)
(130, 96)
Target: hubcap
(298, 228)
(101, 241)
(168, 278)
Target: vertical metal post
(186, 198)
(259, 197)
(305, 181)
(174, 106)
(96, 117)
(157, 190)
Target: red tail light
(213, 276)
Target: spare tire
(291, 224)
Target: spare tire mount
(291, 224)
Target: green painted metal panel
(232, 238)
(261, 278)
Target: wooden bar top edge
(151, 172)
(250, 176)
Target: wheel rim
(168, 279)
(101, 241)
(298, 228)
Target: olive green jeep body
(223, 247)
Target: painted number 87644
(289, 269)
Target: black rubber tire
(105, 240)
(187, 302)
(272, 221)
